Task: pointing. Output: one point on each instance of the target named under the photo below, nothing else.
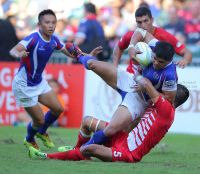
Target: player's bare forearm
(137, 36)
(146, 83)
(64, 51)
(18, 51)
(117, 54)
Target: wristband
(131, 46)
(137, 79)
(143, 32)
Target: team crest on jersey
(53, 46)
(155, 75)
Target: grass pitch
(176, 153)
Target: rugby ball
(145, 57)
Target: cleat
(31, 144)
(74, 50)
(46, 140)
(65, 148)
(36, 153)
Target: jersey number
(117, 154)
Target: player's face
(48, 24)
(159, 63)
(145, 22)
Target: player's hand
(96, 51)
(22, 54)
(132, 55)
(182, 63)
(138, 88)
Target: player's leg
(101, 152)
(106, 71)
(38, 120)
(89, 125)
(50, 100)
(120, 120)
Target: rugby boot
(31, 144)
(65, 148)
(46, 140)
(35, 153)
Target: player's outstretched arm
(19, 51)
(117, 54)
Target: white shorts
(132, 101)
(27, 96)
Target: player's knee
(86, 121)
(91, 64)
(89, 150)
(58, 111)
(38, 122)
(110, 131)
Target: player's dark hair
(182, 95)
(90, 8)
(164, 50)
(142, 11)
(45, 12)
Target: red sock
(81, 140)
(72, 155)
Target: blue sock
(49, 119)
(31, 131)
(98, 138)
(84, 59)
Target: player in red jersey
(123, 146)
(145, 20)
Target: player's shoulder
(32, 36)
(83, 21)
(170, 66)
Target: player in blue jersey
(162, 74)
(29, 87)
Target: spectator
(8, 40)
(128, 14)
(192, 27)
(24, 21)
(90, 33)
(175, 25)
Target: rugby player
(122, 146)
(28, 85)
(145, 21)
(161, 73)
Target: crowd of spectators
(179, 17)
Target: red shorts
(119, 146)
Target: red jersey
(159, 34)
(151, 129)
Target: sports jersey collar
(168, 64)
(40, 34)
(91, 16)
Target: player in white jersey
(29, 87)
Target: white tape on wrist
(131, 46)
(143, 32)
(138, 78)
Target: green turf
(182, 155)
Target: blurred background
(18, 18)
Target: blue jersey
(163, 79)
(87, 28)
(40, 50)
